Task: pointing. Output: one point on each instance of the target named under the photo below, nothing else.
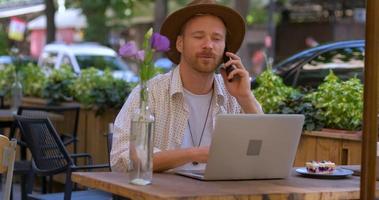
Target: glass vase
(16, 93)
(141, 142)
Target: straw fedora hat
(235, 25)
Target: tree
(96, 20)
(99, 12)
(160, 13)
(50, 22)
(242, 6)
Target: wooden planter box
(341, 147)
(93, 130)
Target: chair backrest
(65, 119)
(7, 156)
(69, 114)
(49, 154)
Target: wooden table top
(6, 115)
(170, 186)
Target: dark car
(308, 68)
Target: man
(186, 100)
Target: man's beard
(202, 67)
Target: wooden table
(170, 186)
(6, 115)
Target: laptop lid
(252, 146)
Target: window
(345, 63)
(66, 61)
(101, 62)
(48, 60)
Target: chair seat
(77, 195)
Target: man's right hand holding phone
(237, 82)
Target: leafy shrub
(298, 104)
(33, 80)
(100, 91)
(58, 86)
(272, 92)
(341, 102)
(6, 79)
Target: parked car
(308, 68)
(164, 64)
(85, 55)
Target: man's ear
(179, 43)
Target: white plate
(338, 173)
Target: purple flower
(160, 42)
(128, 50)
(140, 55)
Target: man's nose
(208, 43)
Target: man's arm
(165, 160)
(250, 104)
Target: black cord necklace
(202, 132)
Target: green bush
(100, 91)
(272, 92)
(58, 86)
(6, 79)
(335, 103)
(341, 102)
(33, 80)
(298, 104)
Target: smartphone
(229, 68)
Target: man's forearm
(170, 159)
(166, 160)
(249, 104)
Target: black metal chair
(69, 115)
(50, 157)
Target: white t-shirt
(199, 107)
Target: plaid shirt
(166, 101)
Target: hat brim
(233, 21)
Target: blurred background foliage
(102, 14)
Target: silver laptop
(251, 146)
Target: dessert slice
(322, 167)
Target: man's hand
(237, 83)
(201, 154)
(238, 80)
(170, 159)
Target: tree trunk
(160, 13)
(243, 6)
(96, 30)
(50, 22)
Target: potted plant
(340, 102)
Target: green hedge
(334, 104)
(93, 88)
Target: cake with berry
(322, 167)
